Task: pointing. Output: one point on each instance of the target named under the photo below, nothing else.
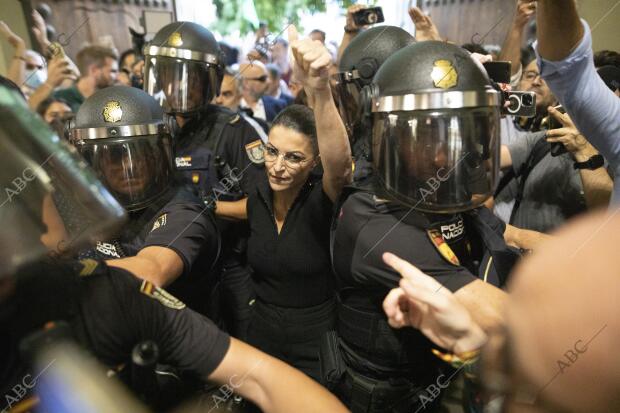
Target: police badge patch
(160, 222)
(255, 151)
(442, 247)
(161, 295)
(112, 111)
(444, 74)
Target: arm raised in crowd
(311, 66)
(350, 28)
(564, 49)
(511, 49)
(558, 30)
(58, 70)
(425, 29)
(17, 68)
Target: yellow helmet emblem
(444, 75)
(175, 39)
(112, 111)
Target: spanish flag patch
(161, 295)
(443, 248)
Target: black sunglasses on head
(262, 78)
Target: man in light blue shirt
(564, 52)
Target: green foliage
(277, 13)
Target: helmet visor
(135, 170)
(437, 161)
(181, 86)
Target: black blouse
(293, 268)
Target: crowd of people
(314, 228)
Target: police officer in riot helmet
(105, 309)
(171, 239)
(435, 153)
(216, 152)
(358, 65)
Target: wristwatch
(595, 162)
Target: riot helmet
(51, 202)
(435, 136)
(359, 64)
(120, 132)
(183, 67)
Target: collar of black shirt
(266, 194)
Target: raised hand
(311, 61)
(526, 9)
(13, 39)
(40, 30)
(425, 29)
(422, 303)
(350, 24)
(59, 70)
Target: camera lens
(372, 18)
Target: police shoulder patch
(161, 295)
(442, 247)
(160, 222)
(255, 151)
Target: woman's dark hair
(301, 119)
(124, 56)
(44, 105)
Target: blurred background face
(279, 55)
(255, 80)
(128, 61)
(291, 145)
(274, 85)
(229, 94)
(56, 111)
(107, 74)
(532, 82)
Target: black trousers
(292, 334)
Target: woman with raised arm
(290, 216)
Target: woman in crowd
(290, 217)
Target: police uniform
(120, 131)
(435, 154)
(108, 312)
(454, 249)
(177, 221)
(216, 151)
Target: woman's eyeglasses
(291, 159)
